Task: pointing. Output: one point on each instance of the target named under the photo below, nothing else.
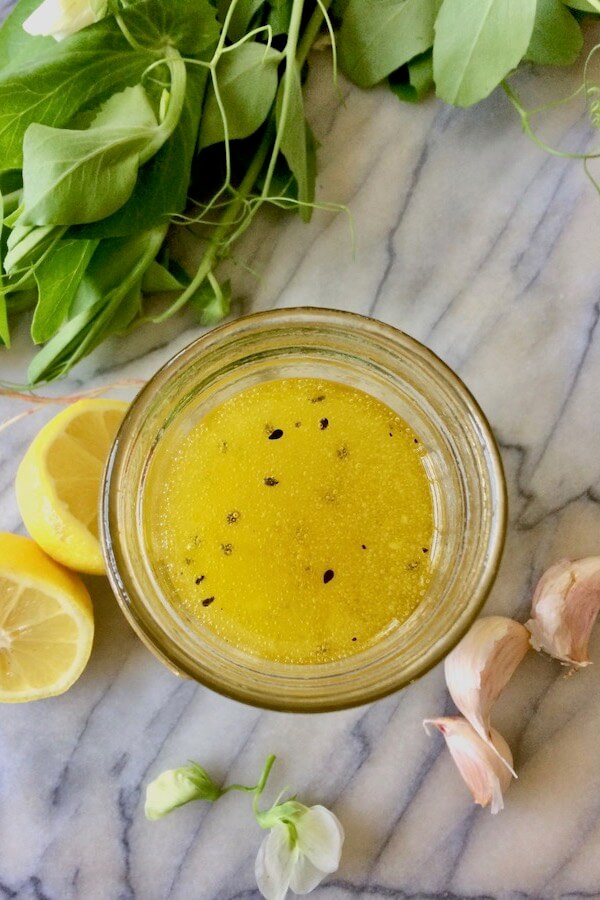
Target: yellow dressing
(294, 521)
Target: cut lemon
(58, 482)
(46, 623)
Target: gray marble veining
(472, 240)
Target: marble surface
(472, 240)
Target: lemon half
(46, 623)
(59, 480)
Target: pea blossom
(304, 843)
(61, 18)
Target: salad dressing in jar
(294, 520)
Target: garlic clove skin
(486, 770)
(565, 605)
(481, 665)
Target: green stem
(296, 53)
(288, 76)
(524, 116)
(262, 784)
(11, 201)
(311, 31)
(175, 106)
(212, 252)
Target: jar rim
(308, 320)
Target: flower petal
(60, 18)
(305, 875)
(320, 837)
(275, 862)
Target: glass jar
(461, 459)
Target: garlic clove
(485, 769)
(481, 665)
(565, 605)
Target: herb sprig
(191, 113)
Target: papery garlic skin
(565, 605)
(485, 769)
(61, 18)
(481, 665)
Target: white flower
(564, 608)
(303, 846)
(175, 787)
(60, 18)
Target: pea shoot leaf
(159, 280)
(107, 300)
(212, 302)
(4, 329)
(162, 183)
(414, 81)
(477, 43)
(243, 13)
(72, 176)
(26, 244)
(295, 141)
(78, 73)
(379, 36)
(189, 25)
(58, 277)
(247, 84)
(556, 39)
(15, 44)
(280, 15)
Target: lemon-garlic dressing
(294, 521)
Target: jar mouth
(465, 471)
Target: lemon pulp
(294, 520)
(58, 482)
(46, 623)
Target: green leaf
(477, 43)
(280, 16)
(243, 13)
(162, 184)
(159, 280)
(379, 36)
(557, 39)
(4, 329)
(212, 301)
(413, 82)
(27, 244)
(129, 108)
(294, 138)
(589, 6)
(117, 263)
(189, 25)
(79, 176)
(16, 46)
(58, 277)
(55, 358)
(76, 74)
(107, 300)
(247, 84)
(73, 176)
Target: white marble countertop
(475, 242)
